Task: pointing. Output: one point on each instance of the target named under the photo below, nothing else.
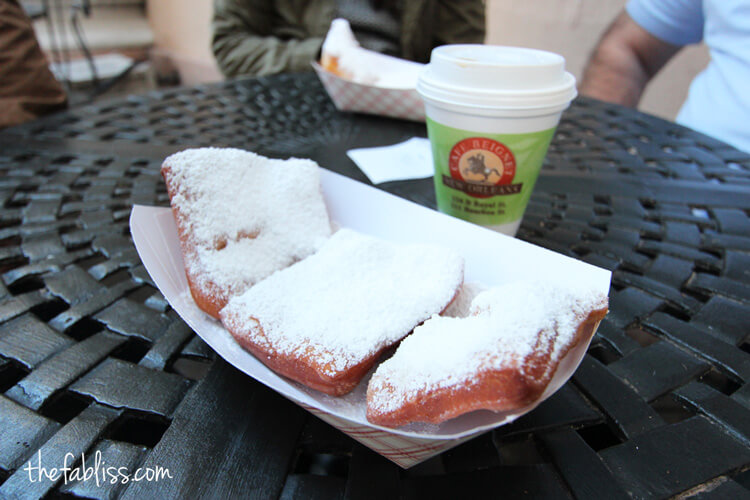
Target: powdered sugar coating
(339, 38)
(341, 45)
(504, 326)
(461, 305)
(246, 215)
(354, 297)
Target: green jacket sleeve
(430, 23)
(244, 45)
(460, 22)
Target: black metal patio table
(93, 361)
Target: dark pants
(28, 89)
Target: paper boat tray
(491, 259)
(404, 103)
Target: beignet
(240, 217)
(501, 357)
(325, 320)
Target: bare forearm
(623, 63)
(614, 75)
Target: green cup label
(485, 178)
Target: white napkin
(411, 159)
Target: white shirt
(718, 103)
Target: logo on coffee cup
(482, 167)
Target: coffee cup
(491, 112)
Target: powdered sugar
(355, 296)
(339, 38)
(461, 305)
(503, 327)
(363, 66)
(247, 215)
(341, 45)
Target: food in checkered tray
(327, 319)
(342, 55)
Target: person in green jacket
(264, 37)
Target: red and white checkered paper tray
(377, 99)
(491, 258)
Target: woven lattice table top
(93, 360)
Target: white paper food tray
(374, 99)
(491, 259)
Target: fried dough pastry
(326, 320)
(501, 357)
(240, 217)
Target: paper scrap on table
(411, 159)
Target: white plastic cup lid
(493, 76)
